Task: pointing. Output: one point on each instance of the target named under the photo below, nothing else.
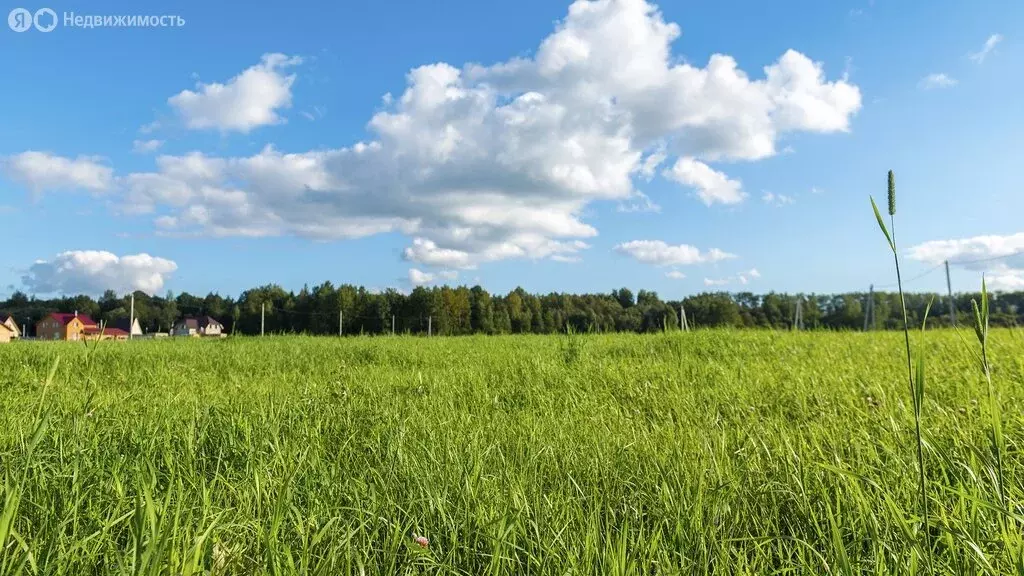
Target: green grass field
(699, 453)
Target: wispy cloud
(990, 45)
(144, 146)
(937, 80)
(641, 203)
(150, 128)
(776, 199)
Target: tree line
(326, 309)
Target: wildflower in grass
(421, 540)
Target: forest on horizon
(463, 310)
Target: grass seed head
(892, 194)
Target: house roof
(197, 323)
(65, 318)
(107, 331)
(122, 324)
(5, 327)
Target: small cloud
(145, 146)
(651, 163)
(42, 171)
(659, 253)
(938, 80)
(754, 273)
(642, 203)
(149, 128)
(816, 190)
(253, 98)
(566, 259)
(856, 12)
(420, 278)
(675, 275)
(990, 45)
(776, 199)
(718, 282)
(789, 150)
(848, 69)
(317, 113)
(711, 185)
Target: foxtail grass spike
(892, 194)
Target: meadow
(706, 452)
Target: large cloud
(93, 271)
(483, 163)
(40, 171)
(1001, 258)
(247, 101)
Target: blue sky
(470, 181)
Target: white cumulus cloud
(93, 271)
(711, 185)
(659, 253)
(1000, 258)
(716, 282)
(247, 101)
(675, 275)
(480, 163)
(42, 171)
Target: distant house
(201, 326)
(59, 326)
(133, 327)
(13, 326)
(6, 334)
(105, 333)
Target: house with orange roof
(61, 326)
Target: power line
(957, 262)
(989, 259)
(914, 278)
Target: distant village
(78, 327)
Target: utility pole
(392, 324)
(131, 318)
(952, 303)
(869, 309)
(798, 315)
(430, 326)
(683, 324)
(263, 314)
(341, 322)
